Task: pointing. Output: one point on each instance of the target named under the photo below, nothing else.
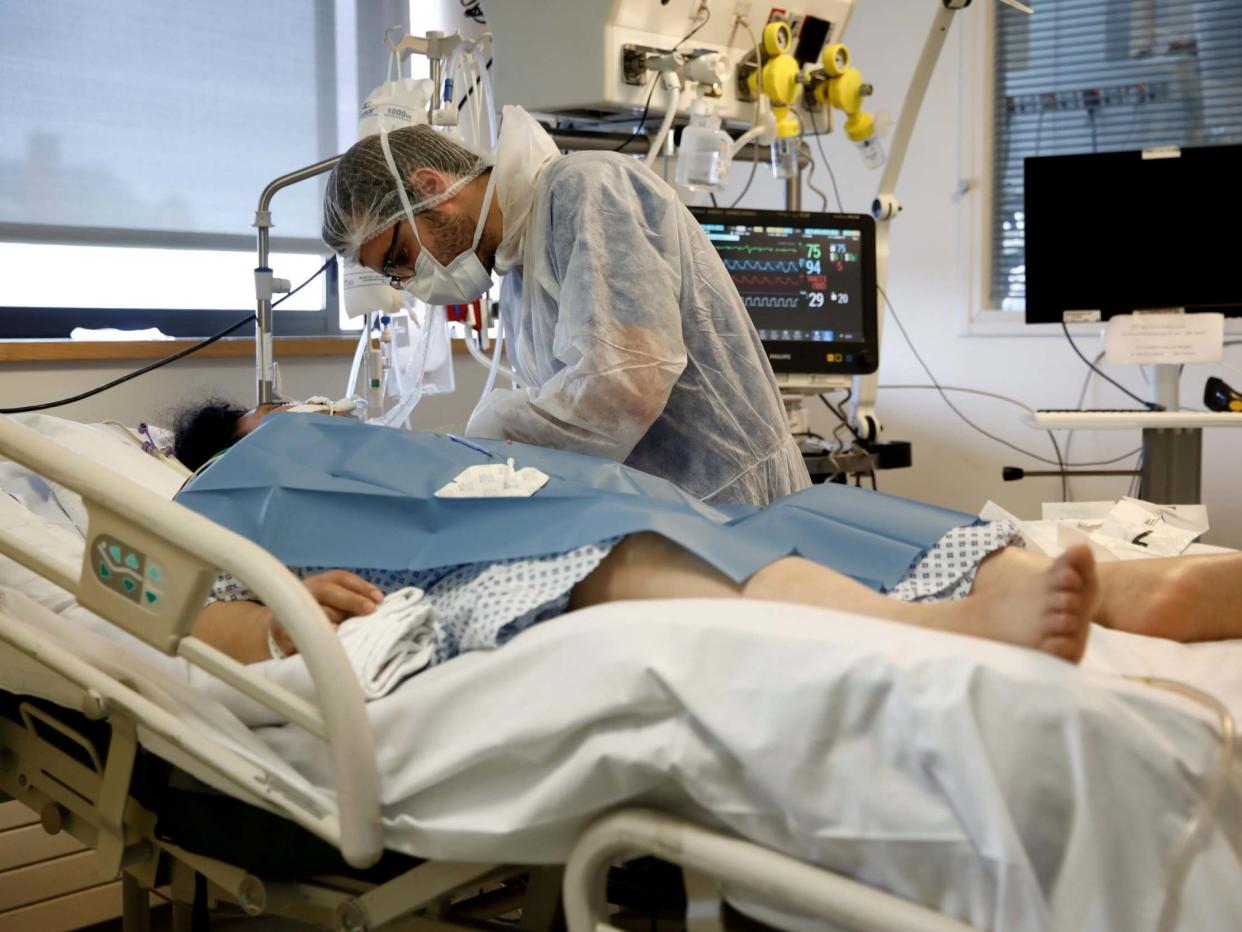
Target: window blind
(140, 115)
(1101, 76)
(137, 137)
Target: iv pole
(434, 46)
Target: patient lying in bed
(972, 581)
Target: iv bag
(397, 104)
(366, 292)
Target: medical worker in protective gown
(621, 321)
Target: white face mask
(463, 279)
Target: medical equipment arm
(265, 285)
(149, 563)
(885, 207)
(618, 346)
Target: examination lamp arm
(263, 359)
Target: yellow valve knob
(845, 91)
(859, 126)
(780, 79)
(777, 37)
(836, 59)
(787, 123)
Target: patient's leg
(1046, 607)
(1180, 598)
(1183, 598)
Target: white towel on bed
(391, 644)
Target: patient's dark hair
(204, 429)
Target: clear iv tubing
(474, 349)
(487, 102)
(466, 61)
(401, 411)
(461, 64)
(1197, 829)
(491, 375)
(354, 369)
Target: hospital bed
(812, 769)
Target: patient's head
(206, 428)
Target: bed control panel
(127, 572)
(139, 580)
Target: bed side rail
(768, 875)
(147, 568)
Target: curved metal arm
(266, 376)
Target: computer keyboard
(1096, 411)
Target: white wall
(954, 466)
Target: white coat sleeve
(617, 345)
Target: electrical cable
(1150, 406)
(839, 413)
(642, 120)
(470, 89)
(844, 424)
(703, 8)
(201, 344)
(314, 275)
(827, 165)
(131, 375)
(810, 178)
(749, 181)
(1059, 462)
(754, 163)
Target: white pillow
(44, 537)
(34, 492)
(104, 446)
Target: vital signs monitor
(808, 281)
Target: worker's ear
(428, 182)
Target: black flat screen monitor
(1117, 232)
(808, 281)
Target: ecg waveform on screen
(747, 248)
(762, 265)
(766, 278)
(771, 301)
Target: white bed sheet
(995, 784)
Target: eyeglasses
(394, 275)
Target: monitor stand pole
(1172, 456)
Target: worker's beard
(453, 233)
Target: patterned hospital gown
(477, 606)
(480, 606)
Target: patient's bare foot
(1048, 608)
